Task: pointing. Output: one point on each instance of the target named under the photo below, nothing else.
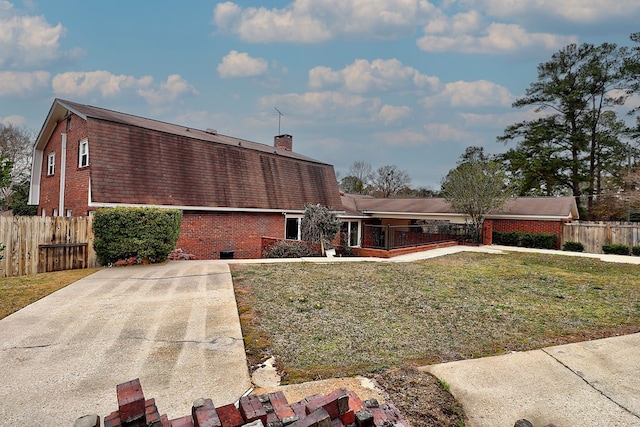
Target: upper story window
(83, 153)
(51, 163)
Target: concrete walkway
(175, 326)
(593, 383)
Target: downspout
(63, 171)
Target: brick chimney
(284, 142)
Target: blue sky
(405, 82)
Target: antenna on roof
(280, 114)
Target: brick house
(232, 192)
(406, 219)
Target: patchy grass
(324, 320)
(18, 292)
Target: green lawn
(322, 320)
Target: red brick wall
(527, 226)
(76, 180)
(381, 253)
(205, 234)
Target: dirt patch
(422, 400)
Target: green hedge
(616, 249)
(122, 233)
(573, 247)
(527, 240)
(635, 250)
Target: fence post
(387, 237)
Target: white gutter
(412, 215)
(530, 217)
(376, 214)
(63, 171)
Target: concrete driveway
(174, 326)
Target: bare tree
(388, 181)
(632, 192)
(361, 170)
(476, 188)
(358, 178)
(16, 150)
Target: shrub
(616, 249)
(288, 249)
(527, 240)
(541, 240)
(122, 233)
(508, 238)
(347, 251)
(635, 250)
(573, 247)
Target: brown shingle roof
(87, 111)
(134, 160)
(560, 207)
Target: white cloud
(80, 84)
(13, 120)
(579, 11)
(446, 132)
(22, 83)
(106, 84)
(336, 106)
(481, 93)
(467, 33)
(239, 64)
(391, 113)
(173, 88)
(378, 75)
(27, 41)
(402, 138)
(312, 21)
(323, 104)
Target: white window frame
(83, 153)
(349, 222)
(298, 219)
(51, 163)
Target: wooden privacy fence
(43, 244)
(593, 235)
